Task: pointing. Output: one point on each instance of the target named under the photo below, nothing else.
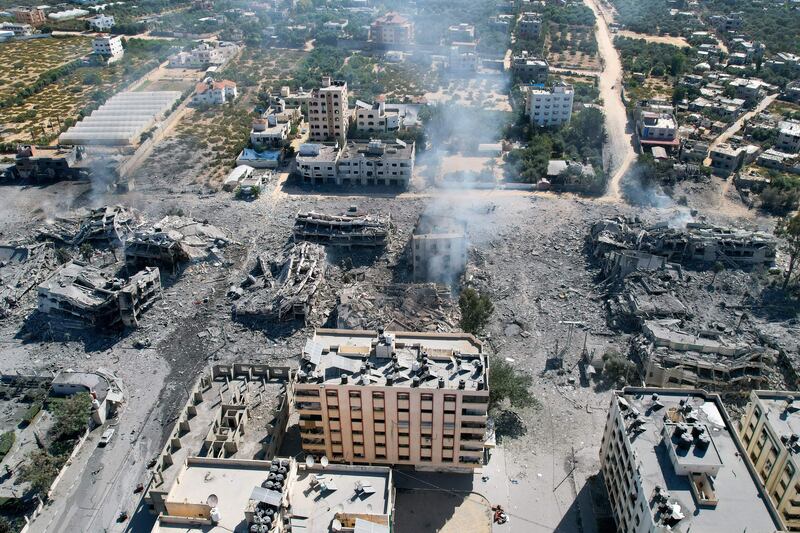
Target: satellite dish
(309, 461)
(339, 508)
(212, 500)
(324, 461)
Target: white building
(269, 132)
(463, 57)
(108, 46)
(461, 33)
(550, 107)
(375, 118)
(17, 28)
(204, 55)
(210, 92)
(101, 22)
(357, 163)
(789, 136)
(672, 461)
(328, 111)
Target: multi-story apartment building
(529, 26)
(550, 107)
(770, 432)
(34, 16)
(18, 28)
(788, 136)
(328, 112)
(416, 399)
(108, 46)
(374, 117)
(439, 248)
(463, 57)
(392, 28)
(357, 163)
(529, 69)
(672, 461)
(657, 127)
(461, 33)
(101, 22)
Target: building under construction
(79, 295)
(351, 229)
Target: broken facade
(350, 229)
(79, 295)
(284, 288)
(109, 224)
(171, 241)
(439, 248)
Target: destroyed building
(439, 248)
(282, 288)
(173, 240)
(676, 354)
(698, 242)
(351, 229)
(79, 295)
(22, 268)
(108, 224)
(397, 306)
(49, 163)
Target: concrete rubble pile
(22, 268)
(698, 242)
(351, 229)
(107, 224)
(397, 306)
(284, 288)
(174, 240)
(687, 333)
(79, 295)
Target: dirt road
(619, 152)
(736, 126)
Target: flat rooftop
(438, 226)
(378, 150)
(316, 495)
(741, 505)
(423, 360)
(784, 422)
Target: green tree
(72, 416)
(717, 268)
(508, 383)
(40, 471)
(788, 229)
(475, 310)
(617, 368)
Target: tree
(40, 471)
(475, 310)
(717, 268)
(72, 416)
(508, 383)
(617, 368)
(788, 229)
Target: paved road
(619, 152)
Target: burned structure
(49, 163)
(439, 248)
(351, 229)
(173, 240)
(110, 224)
(79, 295)
(282, 288)
(22, 268)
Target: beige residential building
(392, 28)
(394, 398)
(34, 16)
(439, 247)
(328, 112)
(770, 432)
(672, 461)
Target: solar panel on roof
(270, 497)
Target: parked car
(106, 437)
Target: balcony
(314, 446)
(449, 406)
(403, 440)
(333, 413)
(472, 416)
(476, 428)
(358, 426)
(380, 427)
(426, 405)
(310, 424)
(403, 404)
(426, 417)
(309, 407)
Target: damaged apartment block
(439, 248)
(79, 295)
(284, 288)
(108, 224)
(351, 229)
(173, 240)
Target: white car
(106, 437)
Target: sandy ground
(663, 39)
(485, 91)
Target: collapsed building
(79, 295)
(108, 224)
(284, 288)
(698, 242)
(439, 248)
(353, 228)
(173, 240)
(678, 341)
(397, 306)
(22, 268)
(49, 163)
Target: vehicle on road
(105, 438)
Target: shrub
(475, 310)
(509, 383)
(6, 442)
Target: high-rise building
(770, 432)
(550, 107)
(671, 461)
(328, 112)
(417, 399)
